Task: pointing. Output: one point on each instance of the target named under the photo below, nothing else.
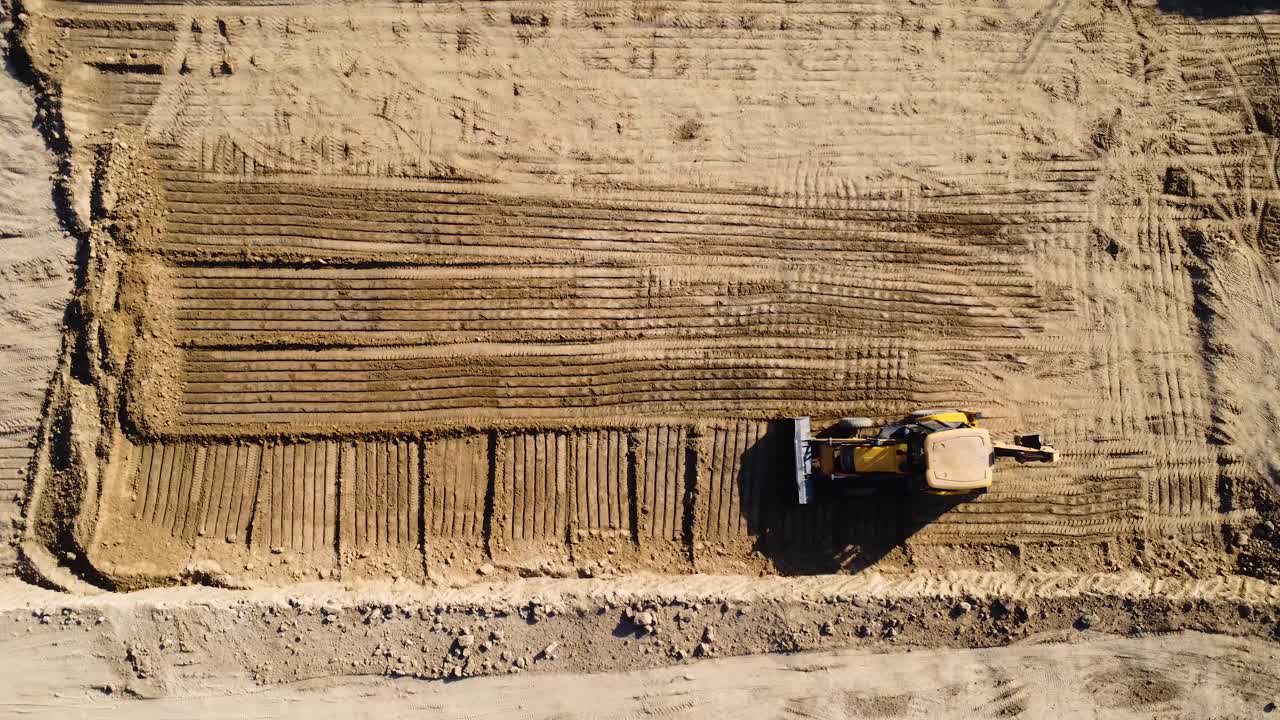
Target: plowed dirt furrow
(579, 304)
(532, 497)
(231, 482)
(247, 388)
(296, 508)
(732, 471)
(663, 455)
(596, 207)
(455, 488)
(380, 495)
(195, 222)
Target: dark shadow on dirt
(844, 535)
(1207, 9)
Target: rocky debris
(597, 569)
(137, 662)
(644, 620)
(1087, 620)
(536, 611)
(961, 609)
(485, 569)
(472, 640)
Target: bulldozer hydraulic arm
(1024, 453)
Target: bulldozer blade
(805, 490)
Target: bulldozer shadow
(1216, 9)
(846, 534)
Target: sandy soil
(36, 269)
(1097, 676)
(446, 340)
(461, 285)
(320, 648)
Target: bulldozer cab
(958, 460)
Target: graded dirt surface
(476, 302)
(424, 287)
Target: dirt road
(52, 674)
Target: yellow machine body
(885, 459)
(942, 452)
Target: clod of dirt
(646, 620)
(485, 569)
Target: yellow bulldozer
(935, 451)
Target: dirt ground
(323, 648)
(440, 287)
(1096, 676)
(340, 337)
(36, 269)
